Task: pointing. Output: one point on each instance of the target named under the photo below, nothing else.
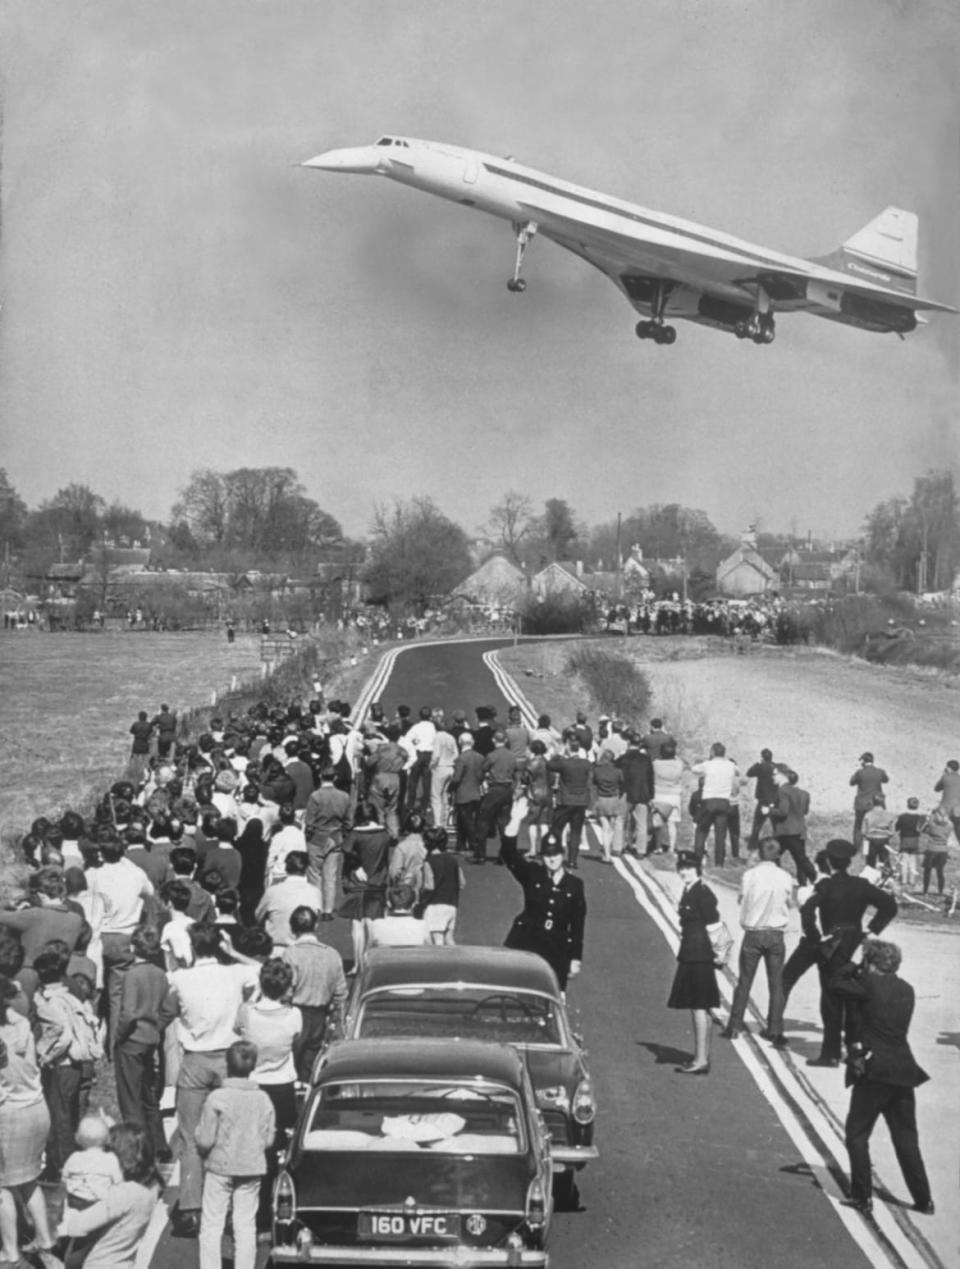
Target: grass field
(67, 702)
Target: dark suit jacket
(842, 901)
(467, 777)
(884, 1008)
(637, 775)
(789, 813)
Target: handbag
(721, 941)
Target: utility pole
(619, 586)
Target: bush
(619, 688)
(555, 614)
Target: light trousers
(219, 1194)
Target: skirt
(23, 1138)
(363, 905)
(694, 986)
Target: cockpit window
(385, 141)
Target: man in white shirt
(399, 928)
(121, 888)
(766, 896)
(420, 740)
(445, 754)
(279, 900)
(718, 774)
(205, 999)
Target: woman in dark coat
(253, 867)
(695, 982)
(366, 857)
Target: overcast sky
(178, 294)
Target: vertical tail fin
(885, 251)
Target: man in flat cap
(832, 921)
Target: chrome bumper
(564, 1157)
(411, 1257)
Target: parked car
(494, 994)
(416, 1152)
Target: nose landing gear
(524, 232)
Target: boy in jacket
(236, 1129)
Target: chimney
(749, 536)
(579, 568)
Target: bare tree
(511, 524)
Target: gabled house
(746, 572)
(496, 581)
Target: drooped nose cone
(363, 160)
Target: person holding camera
(882, 1074)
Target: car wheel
(566, 1195)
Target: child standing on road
(236, 1129)
(443, 881)
(90, 1171)
(908, 827)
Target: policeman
(832, 919)
(554, 906)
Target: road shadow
(664, 1054)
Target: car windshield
(475, 1013)
(407, 1116)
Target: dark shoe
(691, 1069)
(925, 1209)
(779, 1041)
(164, 1156)
(823, 1061)
(185, 1225)
(863, 1206)
(732, 1033)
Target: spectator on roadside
(326, 823)
(948, 786)
(319, 987)
(254, 853)
(287, 836)
(466, 784)
(24, 1130)
(868, 780)
(656, 738)
(788, 814)
(407, 857)
(224, 857)
(138, 1040)
(766, 896)
(499, 772)
(183, 861)
(205, 1000)
(280, 899)
(165, 725)
(142, 732)
(49, 918)
(573, 771)
(908, 826)
(274, 1027)
(400, 926)
(609, 804)
(638, 789)
(442, 762)
(68, 1043)
(235, 1130)
(123, 888)
(93, 1170)
(719, 775)
(878, 828)
(765, 793)
(934, 838)
(443, 882)
(120, 1219)
(667, 804)
(695, 981)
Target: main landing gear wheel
(760, 328)
(656, 331)
(516, 284)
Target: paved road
(693, 1171)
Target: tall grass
(619, 687)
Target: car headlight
(584, 1106)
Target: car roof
(488, 966)
(422, 1059)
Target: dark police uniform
(840, 903)
(554, 913)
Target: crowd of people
(177, 932)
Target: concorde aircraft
(665, 266)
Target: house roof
(66, 572)
(496, 578)
(749, 556)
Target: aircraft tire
(516, 285)
(668, 335)
(642, 330)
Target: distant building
(636, 575)
(746, 572)
(496, 581)
(562, 577)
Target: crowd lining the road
(176, 933)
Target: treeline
(913, 543)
